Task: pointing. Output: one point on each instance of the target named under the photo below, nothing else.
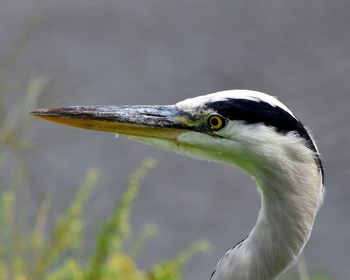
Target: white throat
(291, 194)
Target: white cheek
(208, 147)
(229, 131)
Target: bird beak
(164, 122)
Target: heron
(247, 129)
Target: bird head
(246, 128)
(249, 129)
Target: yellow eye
(216, 122)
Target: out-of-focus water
(162, 51)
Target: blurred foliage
(32, 246)
(41, 256)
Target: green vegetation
(38, 256)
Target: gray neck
(285, 220)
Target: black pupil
(214, 121)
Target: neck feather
(288, 208)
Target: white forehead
(192, 103)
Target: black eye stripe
(259, 112)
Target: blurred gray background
(162, 51)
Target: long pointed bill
(165, 122)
